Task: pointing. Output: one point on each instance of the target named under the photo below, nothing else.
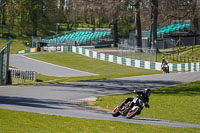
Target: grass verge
(17, 45)
(23, 122)
(178, 103)
(105, 70)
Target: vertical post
(179, 43)
(184, 59)
(7, 63)
(32, 41)
(173, 48)
(163, 43)
(1, 68)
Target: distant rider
(164, 62)
(165, 65)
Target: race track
(62, 99)
(25, 63)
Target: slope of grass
(22, 122)
(194, 53)
(183, 51)
(17, 45)
(179, 103)
(79, 62)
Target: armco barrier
(26, 75)
(136, 63)
(53, 49)
(192, 67)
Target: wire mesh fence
(127, 51)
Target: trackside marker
(107, 106)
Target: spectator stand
(179, 33)
(80, 37)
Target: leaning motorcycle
(130, 109)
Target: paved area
(61, 99)
(25, 63)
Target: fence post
(184, 59)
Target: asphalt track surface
(25, 63)
(64, 99)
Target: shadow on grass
(190, 89)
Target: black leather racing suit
(141, 96)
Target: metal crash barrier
(21, 74)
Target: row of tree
(38, 17)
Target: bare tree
(3, 11)
(113, 8)
(136, 4)
(154, 18)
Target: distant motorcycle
(133, 107)
(165, 68)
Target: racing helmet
(147, 92)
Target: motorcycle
(165, 68)
(130, 109)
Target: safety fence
(32, 50)
(192, 67)
(128, 51)
(25, 75)
(180, 58)
(136, 63)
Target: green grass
(23, 122)
(195, 53)
(183, 51)
(17, 45)
(17, 81)
(179, 103)
(104, 69)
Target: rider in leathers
(143, 95)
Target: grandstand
(171, 29)
(179, 33)
(79, 37)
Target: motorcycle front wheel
(133, 112)
(115, 112)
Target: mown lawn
(183, 51)
(23, 122)
(17, 45)
(178, 103)
(105, 70)
(194, 53)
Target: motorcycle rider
(143, 95)
(164, 62)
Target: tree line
(39, 17)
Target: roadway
(63, 99)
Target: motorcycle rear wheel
(132, 113)
(115, 112)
